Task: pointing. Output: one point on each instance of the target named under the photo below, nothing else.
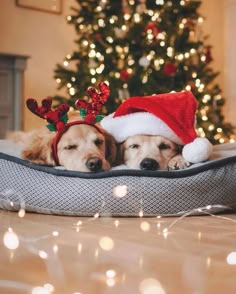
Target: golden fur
(82, 147)
(150, 152)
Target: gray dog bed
(209, 186)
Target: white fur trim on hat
(197, 151)
(138, 123)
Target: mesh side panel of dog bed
(115, 193)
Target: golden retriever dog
(151, 152)
(82, 148)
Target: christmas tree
(142, 47)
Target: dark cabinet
(12, 69)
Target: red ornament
(124, 75)
(169, 69)
(208, 55)
(98, 36)
(153, 27)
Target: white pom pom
(197, 151)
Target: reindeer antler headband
(58, 118)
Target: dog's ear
(120, 154)
(39, 150)
(179, 149)
(111, 148)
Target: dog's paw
(178, 162)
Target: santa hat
(170, 115)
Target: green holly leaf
(99, 118)
(82, 112)
(64, 118)
(51, 127)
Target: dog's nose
(149, 164)
(94, 164)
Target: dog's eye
(70, 147)
(164, 146)
(98, 142)
(134, 146)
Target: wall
(47, 39)
(220, 24)
(230, 59)
(213, 28)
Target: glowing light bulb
(222, 140)
(21, 213)
(79, 247)
(145, 226)
(110, 282)
(200, 19)
(231, 258)
(116, 222)
(106, 243)
(11, 240)
(151, 285)
(43, 254)
(120, 191)
(137, 18)
(165, 232)
(55, 249)
(111, 273)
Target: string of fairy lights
(110, 275)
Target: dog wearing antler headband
(80, 145)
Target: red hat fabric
(171, 115)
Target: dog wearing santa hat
(158, 132)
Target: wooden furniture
(11, 91)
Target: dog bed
(209, 186)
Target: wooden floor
(53, 254)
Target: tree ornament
(169, 69)
(152, 26)
(144, 61)
(208, 54)
(124, 75)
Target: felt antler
(57, 119)
(90, 110)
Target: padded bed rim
(123, 172)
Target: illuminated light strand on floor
(202, 210)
